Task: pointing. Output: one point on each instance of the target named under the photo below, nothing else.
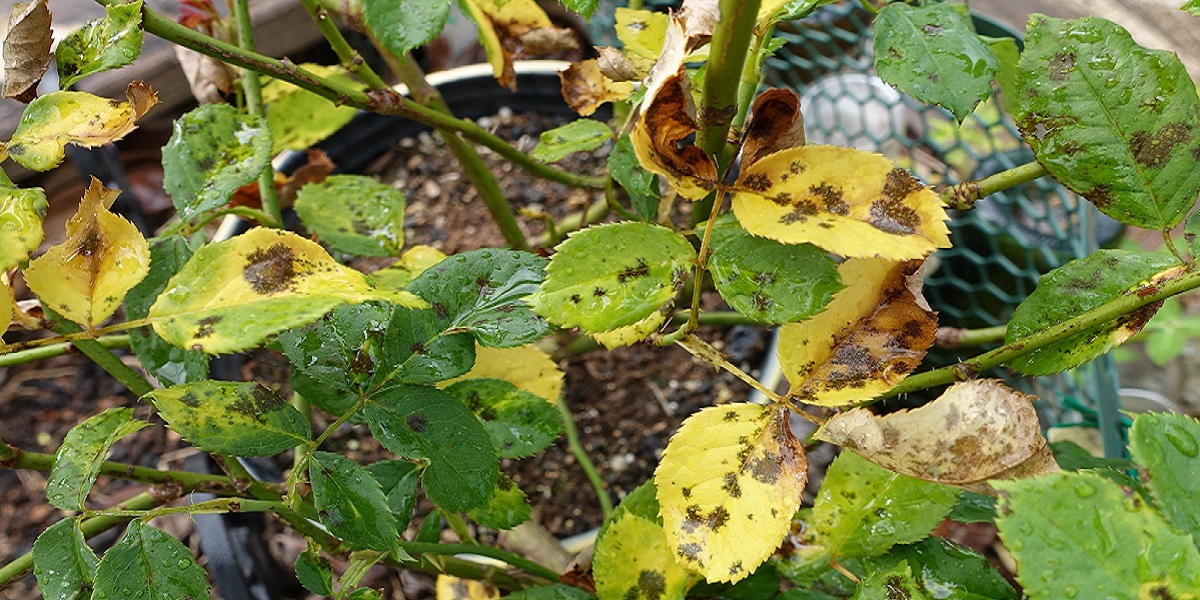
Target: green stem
(108, 361)
(1105, 313)
(44, 352)
(964, 195)
(592, 215)
(524, 564)
(456, 524)
(186, 481)
(350, 58)
(216, 506)
(252, 88)
(730, 45)
(953, 337)
(581, 456)
(751, 77)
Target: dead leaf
(666, 121)
(511, 29)
(775, 124)
(210, 80)
(585, 87)
(976, 431)
(616, 66)
(26, 49)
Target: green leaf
(585, 8)
(1164, 346)
(298, 118)
(580, 135)
(226, 417)
(640, 184)
(948, 571)
(314, 571)
(419, 347)
(519, 422)
(399, 479)
(483, 292)
(213, 151)
(609, 276)
(331, 399)
(932, 53)
(101, 45)
(864, 509)
(1080, 535)
(1166, 445)
(351, 504)
(424, 423)
(507, 508)
(973, 507)
(1073, 457)
(1192, 6)
(354, 214)
(341, 349)
(404, 25)
(148, 560)
(799, 594)
(890, 584)
(1074, 289)
(168, 364)
(798, 9)
(21, 214)
(558, 591)
(1111, 120)
(769, 281)
(77, 461)
(63, 563)
(1008, 55)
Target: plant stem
(964, 195)
(1105, 313)
(108, 361)
(730, 44)
(186, 481)
(59, 349)
(252, 89)
(953, 337)
(216, 506)
(592, 215)
(350, 58)
(702, 263)
(524, 564)
(581, 456)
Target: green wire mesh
(1004, 244)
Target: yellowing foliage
(510, 29)
(450, 587)
(527, 367)
(633, 561)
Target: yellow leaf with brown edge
(450, 587)
(775, 124)
(729, 482)
(667, 119)
(56, 119)
(850, 202)
(86, 277)
(510, 29)
(976, 431)
(586, 88)
(527, 367)
(871, 336)
(231, 295)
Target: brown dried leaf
(26, 49)
(585, 87)
(775, 124)
(615, 65)
(209, 79)
(870, 337)
(976, 431)
(669, 118)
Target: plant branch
(1105, 313)
(216, 506)
(35, 354)
(953, 337)
(108, 361)
(252, 90)
(581, 457)
(524, 564)
(730, 45)
(964, 195)
(186, 481)
(350, 58)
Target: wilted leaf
(148, 560)
(729, 482)
(168, 364)
(519, 422)
(633, 560)
(580, 135)
(769, 281)
(642, 33)
(775, 124)
(86, 277)
(63, 563)
(213, 150)
(640, 184)
(507, 508)
(404, 25)
(932, 53)
(77, 461)
(1077, 287)
(26, 49)
(236, 418)
(52, 121)
(1116, 122)
(585, 87)
(1078, 534)
(232, 294)
(1166, 445)
(351, 504)
(510, 29)
(667, 119)
(976, 431)
(298, 118)
(449, 587)
(847, 201)
(870, 337)
(355, 214)
(209, 79)
(863, 510)
(610, 276)
(101, 45)
(21, 214)
(527, 367)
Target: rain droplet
(1070, 591)
(1183, 441)
(1084, 489)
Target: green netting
(1004, 244)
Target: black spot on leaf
(417, 422)
(767, 468)
(651, 584)
(270, 270)
(1061, 65)
(1152, 150)
(641, 270)
(731, 486)
(260, 401)
(832, 197)
(205, 328)
(190, 399)
(757, 182)
(891, 216)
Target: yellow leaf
(52, 121)
(633, 561)
(585, 87)
(86, 277)
(450, 587)
(642, 33)
(976, 431)
(411, 263)
(511, 29)
(872, 335)
(232, 294)
(632, 334)
(728, 484)
(527, 367)
(847, 201)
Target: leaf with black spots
(634, 560)
(168, 364)
(146, 559)
(213, 151)
(354, 214)
(237, 418)
(101, 45)
(519, 422)
(351, 504)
